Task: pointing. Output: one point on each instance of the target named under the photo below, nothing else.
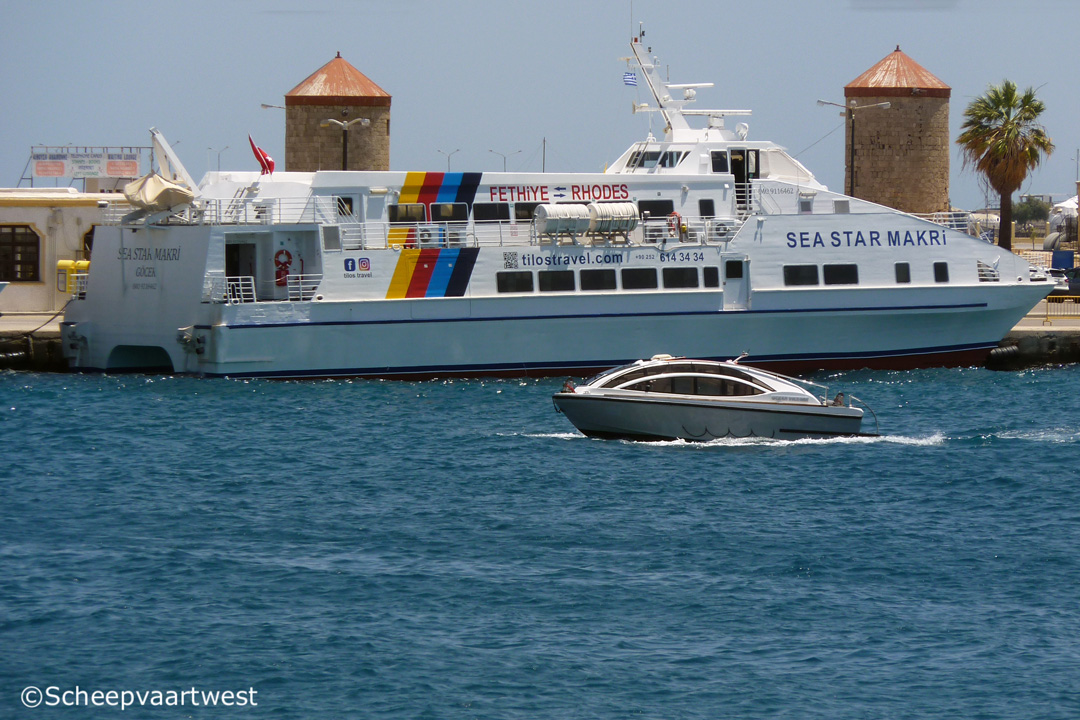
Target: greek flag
(630, 79)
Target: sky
(538, 82)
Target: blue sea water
(362, 549)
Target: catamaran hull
(529, 337)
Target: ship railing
(499, 233)
(79, 281)
(958, 220)
(238, 289)
(762, 203)
(303, 287)
(987, 272)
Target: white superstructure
(703, 243)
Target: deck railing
(303, 287)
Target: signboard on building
(86, 163)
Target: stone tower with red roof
(901, 154)
(337, 91)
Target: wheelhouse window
(20, 254)
(711, 275)
(672, 158)
(639, 278)
(903, 273)
(719, 161)
(646, 159)
(941, 272)
(800, 275)
(556, 280)
(406, 213)
(514, 282)
(598, 279)
(449, 212)
(491, 212)
(847, 274)
(680, 277)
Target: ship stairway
(742, 199)
(232, 210)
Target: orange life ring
(283, 263)
(674, 222)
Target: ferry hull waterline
(703, 243)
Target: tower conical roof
(897, 75)
(337, 83)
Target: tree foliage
(1031, 210)
(1002, 139)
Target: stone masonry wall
(309, 147)
(902, 153)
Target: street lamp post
(448, 154)
(849, 112)
(210, 150)
(364, 122)
(504, 156)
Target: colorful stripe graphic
(432, 272)
(432, 187)
(429, 187)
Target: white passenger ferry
(703, 243)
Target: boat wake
(923, 441)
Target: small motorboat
(670, 398)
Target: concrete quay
(31, 341)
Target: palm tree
(1002, 139)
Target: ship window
(672, 158)
(449, 212)
(656, 208)
(20, 249)
(682, 385)
(331, 237)
(941, 272)
(487, 212)
(345, 206)
(723, 387)
(719, 161)
(706, 208)
(406, 213)
(514, 282)
(841, 207)
(841, 274)
(598, 279)
(903, 273)
(649, 159)
(712, 276)
(524, 211)
(800, 275)
(733, 269)
(680, 277)
(556, 280)
(638, 278)
(658, 385)
(806, 205)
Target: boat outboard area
(703, 241)
(675, 398)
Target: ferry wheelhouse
(704, 243)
